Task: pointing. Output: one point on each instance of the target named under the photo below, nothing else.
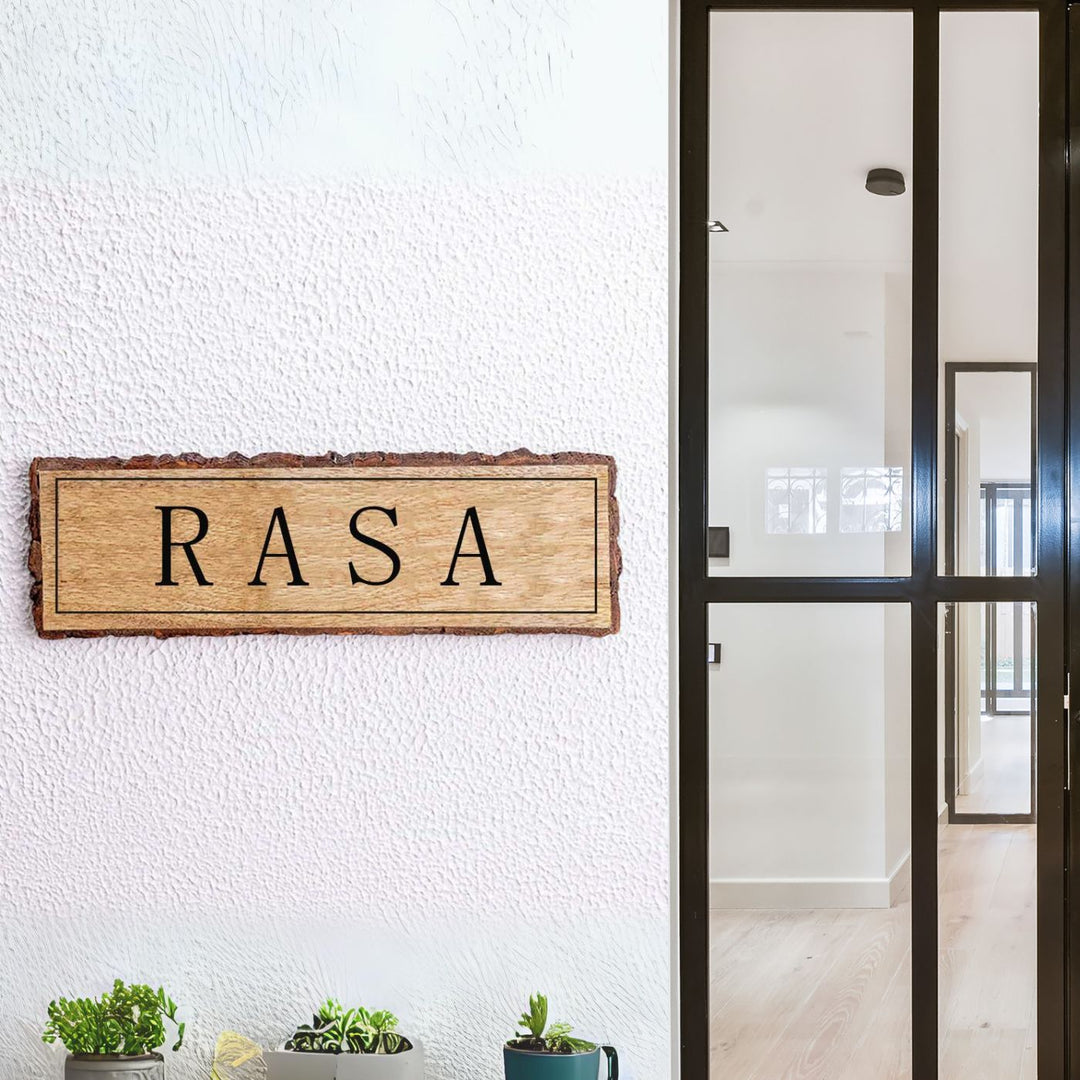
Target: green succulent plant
(555, 1040)
(334, 1030)
(128, 1020)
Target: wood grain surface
(361, 543)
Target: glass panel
(1027, 535)
(988, 476)
(1003, 635)
(796, 500)
(988, 285)
(986, 869)
(1009, 673)
(810, 292)
(810, 788)
(987, 715)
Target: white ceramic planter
(297, 1065)
(104, 1067)
(293, 1065)
(406, 1066)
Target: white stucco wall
(337, 225)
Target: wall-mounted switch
(719, 542)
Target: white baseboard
(900, 877)
(810, 893)
(972, 777)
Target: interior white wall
(988, 167)
(798, 757)
(354, 226)
(897, 636)
(998, 405)
(797, 378)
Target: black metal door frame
(951, 636)
(924, 589)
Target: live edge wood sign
(364, 543)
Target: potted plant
(554, 1054)
(116, 1036)
(347, 1044)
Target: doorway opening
(990, 719)
(874, 405)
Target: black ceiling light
(885, 182)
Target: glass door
(873, 757)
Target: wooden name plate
(365, 543)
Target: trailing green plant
(128, 1020)
(334, 1030)
(555, 1040)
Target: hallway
(1003, 782)
(826, 994)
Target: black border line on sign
(338, 479)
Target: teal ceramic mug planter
(530, 1065)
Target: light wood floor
(826, 995)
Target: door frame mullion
(1054, 1019)
(692, 736)
(925, 407)
(1071, 332)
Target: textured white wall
(305, 226)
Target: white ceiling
(803, 104)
